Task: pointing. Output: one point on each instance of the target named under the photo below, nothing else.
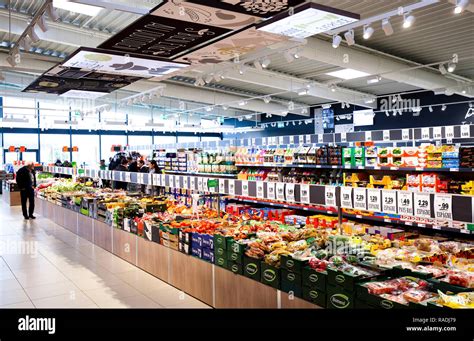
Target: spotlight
(243, 103)
(451, 66)
(386, 113)
(52, 13)
(257, 65)
(241, 69)
(443, 108)
(374, 80)
(42, 24)
(225, 107)
(209, 78)
(336, 41)
(387, 27)
(460, 6)
(265, 63)
(430, 108)
(408, 20)
(349, 35)
(267, 99)
(442, 69)
(326, 106)
(296, 55)
(208, 109)
(368, 31)
(332, 88)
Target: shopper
(142, 168)
(26, 181)
(132, 165)
(153, 169)
(122, 167)
(102, 165)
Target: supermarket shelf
(218, 175)
(403, 222)
(404, 169)
(281, 205)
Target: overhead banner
(80, 88)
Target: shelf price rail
(430, 206)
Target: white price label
(221, 186)
(172, 181)
(368, 136)
(280, 191)
(200, 184)
(422, 205)
(425, 133)
(301, 139)
(260, 191)
(232, 187)
(185, 182)
(308, 139)
(465, 131)
(320, 138)
(389, 202)
(386, 135)
(253, 141)
(343, 137)
(374, 200)
(405, 134)
(330, 196)
(163, 180)
(264, 141)
(304, 193)
(443, 206)
(346, 197)
(245, 188)
(192, 183)
(249, 142)
(292, 139)
(360, 198)
(405, 203)
(155, 178)
(290, 192)
(271, 190)
(449, 132)
(280, 140)
(437, 133)
(140, 178)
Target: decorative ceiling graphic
(236, 45)
(76, 73)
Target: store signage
(281, 140)
(271, 190)
(374, 200)
(231, 187)
(449, 132)
(360, 198)
(304, 193)
(221, 186)
(389, 202)
(330, 196)
(320, 138)
(280, 191)
(465, 131)
(264, 141)
(425, 133)
(185, 182)
(308, 139)
(260, 190)
(346, 197)
(162, 180)
(290, 192)
(405, 202)
(386, 135)
(245, 188)
(368, 136)
(343, 137)
(200, 184)
(437, 133)
(193, 183)
(443, 206)
(307, 20)
(422, 205)
(405, 134)
(292, 139)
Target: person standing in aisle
(122, 167)
(142, 168)
(26, 181)
(153, 169)
(102, 165)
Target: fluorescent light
(303, 92)
(387, 27)
(460, 6)
(242, 103)
(368, 31)
(83, 94)
(408, 20)
(336, 41)
(374, 80)
(75, 7)
(326, 106)
(349, 35)
(347, 74)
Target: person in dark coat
(142, 168)
(132, 165)
(121, 168)
(26, 181)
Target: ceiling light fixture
(368, 31)
(326, 106)
(374, 80)
(336, 41)
(443, 108)
(241, 69)
(267, 99)
(333, 88)
(408, 20)
(460, 6)
(387, 27)
(451, 66)
(369, 100)
(304, 111)
(208, 109)
(225, 107)
(266, 63)
(349, 36)
(75, 7)
(243, 103)
(442, 69)
(347, 74)
(209, 78)
(430, 108)
(303, 92)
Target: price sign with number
(405, 134)
(308, 138)
(290, 192)
(231, 187)
(343, 137)
(271, 190)
(172, 184)
(330, 196)
(346, 197)
(221, 186)
(128, 177)
(443, 206)
(200, 184)
(280, 140)
(304, 193)
(405, 203)
(253, 141)
(449, 132)
(389, 202)
(422, 203)
(185, 182)
(301, 139)
(360, 198)
(368, 136)
(320, 138)
(280, 191)
(437, 133)
(260, 191)
(192, 183)
(374, 200)
(140, 178)
(465, 131)
(163, 180)
(264, 141)
(245, 188)
(386, 135)
(292, 139)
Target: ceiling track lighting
(241, 69)
(408, 20)
(336, 41)
(460, 6)
(443, 107)
(267, 99)
(387, 27)
(451, 66)
(349, 36)
(265, 63)
(368, 32)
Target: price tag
(155, 178)
(320, 138)
(360, 199)
(222, 186)
(185, 182)
(290, 192)
(232, 187)
(405, 203)
(368, 136)
(292, 139)
(346, 197)
(465, 131)
(253, 141)
(271, 190)
(200, 184)
(437, 133)
(422, 205)
(245, 188)
(343, 137)
(140, 178)
(374, 200)
(192, 183)
(308, 139)
(171, 178)
(260, 191)
(386, 135)
(301, 139)
(249, 142)
(280, 140)
(425, 133)
(304, 193)
(449, 132)
(330, 196)
(126, 176)
(264, 141)
(280, 191)
(405, 134)
(443, 206)
(389, 202)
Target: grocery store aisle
(43, 265)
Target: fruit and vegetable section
(268, 257)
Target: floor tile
(114, 291)
(168, 296)
(9, 284)
(22, 305)
(75, 300)
(138, 301)
(13, 296)
(51, 290)
(32, 280)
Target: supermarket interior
(316, 156)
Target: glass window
(107, 141)
(139, 140)
(88, 150)
(187, 139)
(160, 140)
(51, 147)
(30, 141)
(23, 110)
(210, 138)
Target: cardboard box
(270, 275)
(376, 301)
(208, 241)
(221, 241)
(293, 265)
(169, 229)
(252, 268)
(221, 261)
(291, 282)
(237, 247)
(235, 257)
(184, 248)
(339, 298)
(184, 237)
(236, 268)
(315, 296)
(171, 245)
(220, 252)
(167, 236)
(208, 255)
(347, 281)
(314, 279)
(196, 239)
(196, 252)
